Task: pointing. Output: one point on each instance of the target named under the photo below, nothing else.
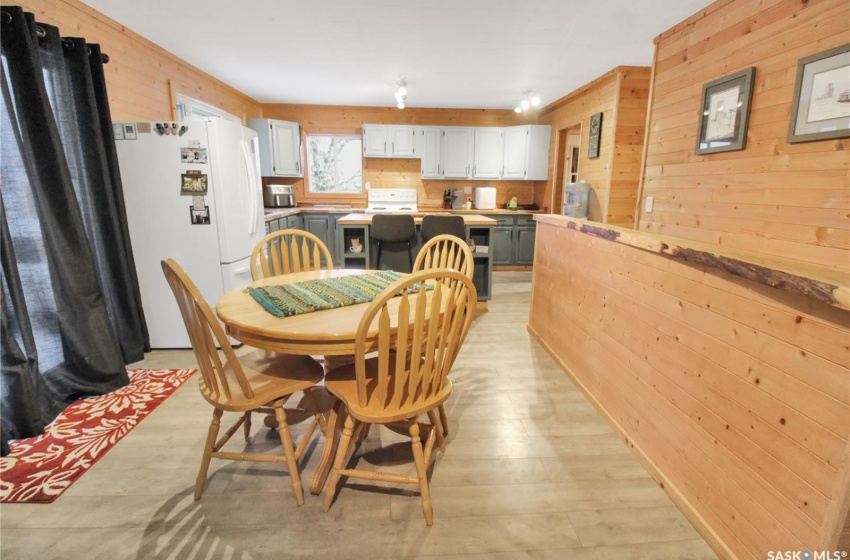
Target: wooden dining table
(327, 333)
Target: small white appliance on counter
(485, 198)
(196, 197)
(384, 201)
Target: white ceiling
(454, 53)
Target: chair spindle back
(287, 251)
(218, 380)
(446, 251)
(432, 325)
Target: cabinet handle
(385, 146)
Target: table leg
(331, 441)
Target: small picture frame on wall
(725, 113)
(820, 107)
(594, 136)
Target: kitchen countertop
(366, 219)
(277, 213)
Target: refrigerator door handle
(252, 188)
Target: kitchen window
(335, 163)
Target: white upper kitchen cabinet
(376, 140)
(280, 147)
(487, 161)
(401, 141)
(458, 151)
(526, 152)
(428, 147)
(388, 141)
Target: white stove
(384, 201)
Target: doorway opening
(568, 169)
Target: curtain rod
(41, 34)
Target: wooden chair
(398, 387)
(255, 382)
(446, 251)
(286, 251)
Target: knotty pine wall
(138, 72)
(398, 173)
(621, 95)
(773, 197)
(736, 396)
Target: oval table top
(329, 332)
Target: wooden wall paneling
(404, 172)
(138, 72)
(621, 95)
(772, 197)
(711, 379)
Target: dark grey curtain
(71, 309)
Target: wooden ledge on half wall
(827, 285)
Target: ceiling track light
(401, 93)
(530, 99)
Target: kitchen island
(479, 232)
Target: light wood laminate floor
(531, 472)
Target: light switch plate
(648, 205)
(467, 190)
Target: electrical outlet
(648, 205)
(368, 185)
(467, 190)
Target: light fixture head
(535, 101)
(517, 109)
(525, 104)
(402, 91)
(400, 105)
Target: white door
(430, 152)
(488, 153)
(236, 188)
(516, 152)
(375, 140)
(286, 149)
(401, 141)
(457, 152)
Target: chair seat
(342, 383)
(271, 376)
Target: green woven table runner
(296, 298)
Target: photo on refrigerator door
(193, 183)
(200, 216)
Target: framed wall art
(725, 113)
(594, 136)
(821, 103)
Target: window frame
(308, 179)
(184, 106)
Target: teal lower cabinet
(513, 239)
(525, 237)
(323, 226)
(502, 241)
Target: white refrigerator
(211, 232)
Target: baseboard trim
(699, 523)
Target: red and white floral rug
(40, 469)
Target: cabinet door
(321, 226)
(516, 152)
(525, 245)
(293, 222)
(401, 141)
(430, 152)
(501, 251)
(375, 140)
(457, 152)
(286, 149)
(488, 153)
